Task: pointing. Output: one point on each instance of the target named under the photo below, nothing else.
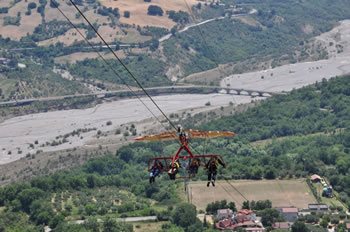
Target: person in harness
(173, 170)
(193, 167)
(155, 171)
(212, 166)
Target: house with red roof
(245, 219)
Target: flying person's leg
(209, 178)
(213, 178)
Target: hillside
(117, 185)
(320, 107)
(161, 49)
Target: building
(245, 219)
(282, 225)
(4, 61)
(315, 178)
(224, 213)
(348, 227)
(290, 214)
(318, 207)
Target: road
(168, 36)
(152, 91)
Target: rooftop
(315, 177)
(348, 226)
(224, 211)
(289, 209)
(281, 225)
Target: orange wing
(162, 136)
(191, 133)
(209, 134)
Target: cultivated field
(138, 11)
(280, 192)
(79, 56)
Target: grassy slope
(40, 81)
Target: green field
(281, 192)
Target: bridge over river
(155, 91)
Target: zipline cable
(107, 63)
(122, 63)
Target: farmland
(138, 11)
(280, 192)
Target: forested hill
(322, 107)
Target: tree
(155, 10)
(245, 205)
(270, 174)
(54, 4)
(269, 216)
(127, 14)
(41, 212)
(184, 215)
(173, 30)
(111, 225)
(324, 223)
(154, 44)
(125, 154)
(299, 227)
(31, 5)
(27, 196)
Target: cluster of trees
(30, 7)
(106, 11)
(257, 205)
(321, 107)
(49, 29)
(179, 17)
(9, 20)
(155, 10)
(151, 70)
(41, 7)
(4, 10)
(34, 198)
(214, 206)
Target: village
(330, 216)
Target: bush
(4, 10)
(127, 14)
